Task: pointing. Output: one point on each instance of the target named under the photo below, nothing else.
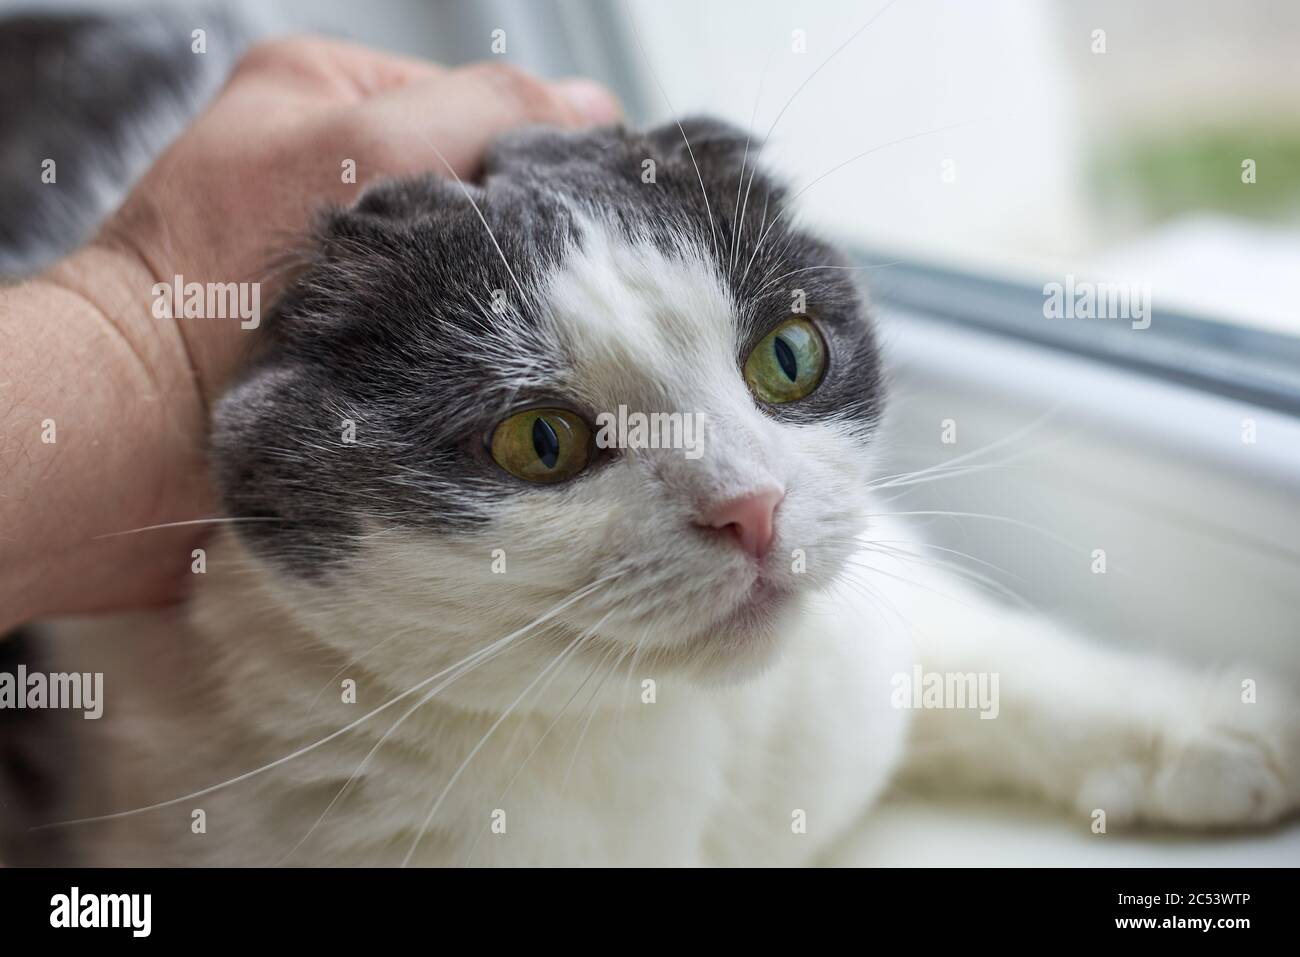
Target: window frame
(1228, 359)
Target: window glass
(1154, 144)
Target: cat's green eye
(788, 364)
(542, 445)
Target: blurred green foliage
(1201, 170)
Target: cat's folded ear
(547, 151)
(705, 138)
(349, 243)
(385, 212)
(542, 149)
(408, 198)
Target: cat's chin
(746, 640)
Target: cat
(414, 643)
(447, 627)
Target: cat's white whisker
(916, 543)
(777, 119)
(789, 203)
(821, 66)
(592, 706)
(1039, 422)
(571, 650)
(738, 213)
(189, 522)
(307, 749)
(988, 582)
(465, 667)
(868, 590)
(704, 193)
(501, 718)
(355, 661)
(491, 235)
(875, 569)
(769, 283)
(1048, 533)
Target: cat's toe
(1220, 780)
(1238, 765)
(1230, 763)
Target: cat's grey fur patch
(101, 95)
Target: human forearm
(94, 397)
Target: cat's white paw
(1231, 764)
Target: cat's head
(452, 431)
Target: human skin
(128, 394)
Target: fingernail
(593, 102)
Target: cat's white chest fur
(615, 765)
(770, 771)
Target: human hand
(129, 390)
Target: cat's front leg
(1094, 728)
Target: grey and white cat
(449, 627)
(648, 662)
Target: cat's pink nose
(750, 518)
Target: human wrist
(100, 426)
(116, 286)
